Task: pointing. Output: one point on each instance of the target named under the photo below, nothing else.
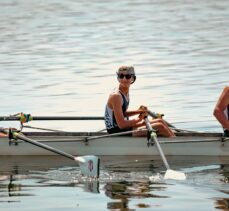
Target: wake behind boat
(100, 143)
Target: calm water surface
(60, 58)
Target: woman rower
(221, 111)
(117, 113)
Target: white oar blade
(176, 175)
(89, 165)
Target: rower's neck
(124, 90)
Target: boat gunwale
(91, 134)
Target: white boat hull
(201, 145)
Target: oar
(154, 115)
(170, 174)
(15, 118)
(89, 165)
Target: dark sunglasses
(127, 76)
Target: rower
(117, 113)
(221, 111)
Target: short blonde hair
(128, 69)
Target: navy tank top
(110, 121)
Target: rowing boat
(85, 143)
(68, 144)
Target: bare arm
(134, 112)
(115, 102)
(221, 106)
(140, 110)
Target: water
(55, 183)
(60, 58)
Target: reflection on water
(125, 191)
(118, 188)
(223, 203)
(225, 173)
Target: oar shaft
(149, 127)
(17, 118)
(152, 114)
(44, 146)
(89, 165)
(67, 118)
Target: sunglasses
(127, 76)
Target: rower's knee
(158, 121)
(158, 126)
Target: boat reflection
(13, 188)
(223, 203)
(19, 175)
(122, 192)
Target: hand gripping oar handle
(170, 174)
(89, 165)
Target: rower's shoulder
(115, 94)
(225, 93)
(115, 98)
(226, 89)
